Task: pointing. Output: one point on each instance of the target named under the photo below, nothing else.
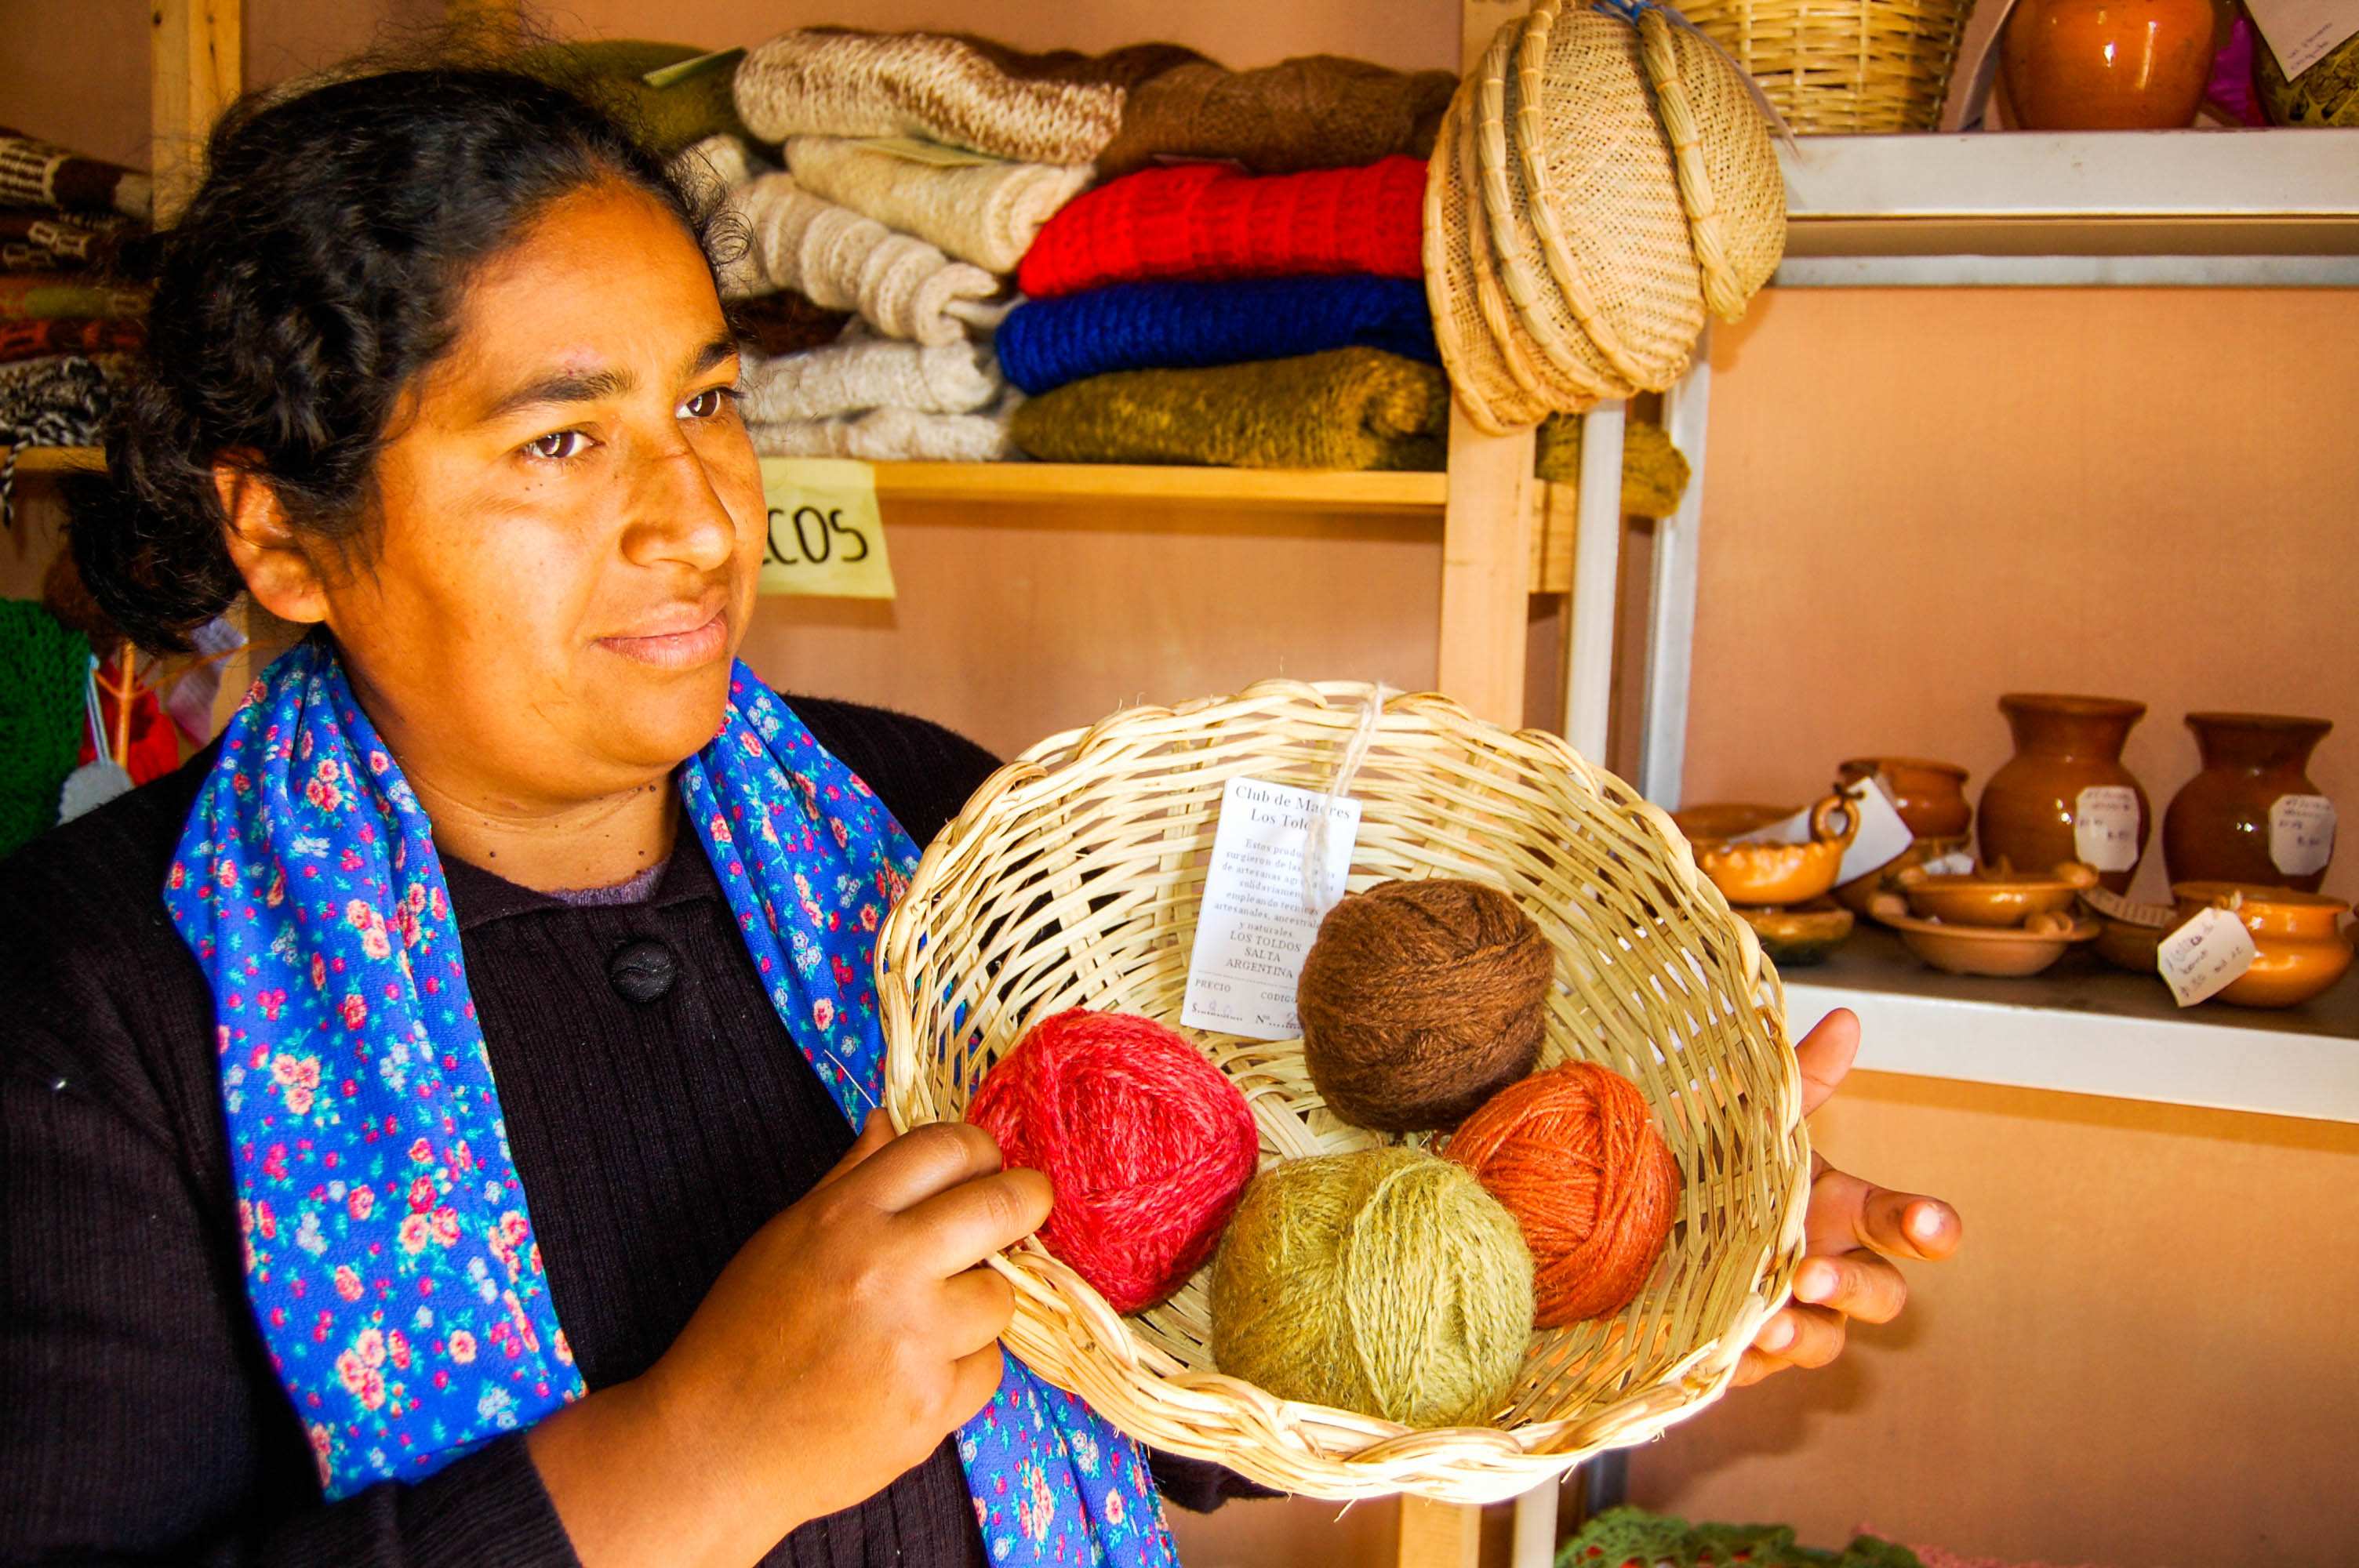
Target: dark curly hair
(317, 272)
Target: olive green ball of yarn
(1386, 1282)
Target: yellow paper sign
(827, 539)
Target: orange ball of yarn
(1146, 1145)
(1573, 1155)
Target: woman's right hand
(839, 1348)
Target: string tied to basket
(1339, 788)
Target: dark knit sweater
(139, 1418)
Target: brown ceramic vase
(1931, 796)
(2063, 745)
(2108, 65)
(2217, 828)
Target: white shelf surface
(2260, 207)
(2087, 1028)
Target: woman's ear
(264, 547)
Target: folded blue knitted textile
(1044, 344)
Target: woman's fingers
(1857, 1284)
(907, 1171)
(975, 1378)
(874, 1133)
(959, 1226)
(977, 1306)
(1846, 1212)
(1824, 1056)
(1801, 1336)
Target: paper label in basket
(2105, 827)
(1883, 837)
(2204, 957)
(2301, 32)
(827, 539)
(2301, 833)
(1254, 928)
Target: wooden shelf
(1037, 483)
(2087, 1028)
(58, 459)
(2250, 207)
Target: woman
(427, 1124)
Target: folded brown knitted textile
(1125, 68)
(35, 173)
(40, 239)
(610, 74)
(1316, 111)
(786, 322)
(828, 83)
(1347, 408)
(71, 335)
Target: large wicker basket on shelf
(1072, 879)
(1844, 66)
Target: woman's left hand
(1852, 1231)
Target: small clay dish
(2007, 953)
(1752, 872)
(1798, 937)
(1993, 896)
(1856, 893)
(2302, 951)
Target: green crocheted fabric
(1632, 1537)
(43, 668)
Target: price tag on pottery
(826, 536)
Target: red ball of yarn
(1573, 1153)
(1146, 1144)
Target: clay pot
(2302, 951)
(2218, 827)
(2108, 65)
(1768, 874)
(1932, 795)
(2036, 810)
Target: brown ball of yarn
(1421, 999)
(1573, 1155)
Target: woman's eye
(557, 445)
(705, 404)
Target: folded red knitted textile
(1208, 221)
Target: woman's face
(573, 522)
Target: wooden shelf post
(196, 68)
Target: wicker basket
(1844, 66)
(1072, 879)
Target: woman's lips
(676, 650)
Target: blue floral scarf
(390, 1249)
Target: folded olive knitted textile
(35, 173)
(1654, 471)
(830, 83)
(611, 75)
(1044, 344)
(41, 295)
(1208, 221)
(894, 434)
(1632, 1537)
(1315, 112)
(987, 213)
(43, 668)
(899, 285)
(1349, 409)
(868, 373)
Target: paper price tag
(1956, 863)
(2303, 32)
(827, 539)
(1883, 837)
(2204, 957)
(2301, 833)
(1253, 929)
(2105, 826)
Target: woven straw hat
(1599, 185)
(1072, 878)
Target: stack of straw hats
(1601, 180)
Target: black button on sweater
(657, 1121)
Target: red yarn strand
(1573, 1155)
(1146, 1145)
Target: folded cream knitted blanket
(895, 435)
(817, 82)
(985, 214)
(868, 373)
(901, 286)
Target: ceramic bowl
(2302, 951)
(1930, 796)
(2127, 945)
(1856, 893)
(1993, 896)
(1750, 872)
(1798, 937)
(2008, 954)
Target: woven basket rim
(1311, 1449)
